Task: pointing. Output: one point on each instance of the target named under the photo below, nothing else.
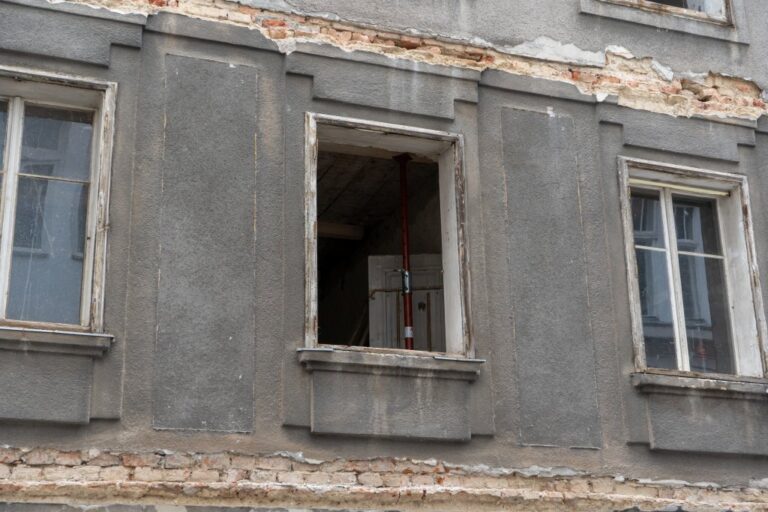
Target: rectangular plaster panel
(553, 338)
(204, 364)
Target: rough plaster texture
(186, 273)
(215, 165)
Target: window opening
(386, 262)
(379, 244)
(697, 269)
(695, 297)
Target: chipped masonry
(637, 82)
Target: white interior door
(385, 312)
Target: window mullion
(8, 203)
(678, 307)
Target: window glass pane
(696, 225)
(57, 142)
(706, 314)
(656, 308)
(3, 131)
(646, 219)
(712, 7)
(48, 244)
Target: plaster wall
(205, 287)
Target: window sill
(687, 383)
(61, 342)
(419, 364)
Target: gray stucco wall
(205, 289)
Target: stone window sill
(419, 364)
(55, 341)
(734, 31)
(688, 383)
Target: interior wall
(343, 264)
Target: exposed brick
(178, 460)
(291, 477)
(370, 479)
(10, 455)
(272, 463)
(273, 23)
(68, 458)
(39, 457)
(235, 475)
(395, 480)
(204, 475)
(115, 473)
(318, 478)
(409, 42)
(263, 476)
(105, 459)
(147, 474)
(423, 480)
(343, 478)
(214, 461)
(26, 473)
(54, 473)
(148, 460)
(305, 466)
(243, 462)
(86, 473)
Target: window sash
(8, 207)
(672, 256)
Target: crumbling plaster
(638, 82)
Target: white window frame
(650, 6)
(744, 296)
(20, 86)
(448, 150)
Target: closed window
(52, 180)
(695, 305)
(716, 10)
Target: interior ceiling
(363, 190)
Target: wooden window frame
(20, 86)
(653, 7)
(743, 292)
(448, 150)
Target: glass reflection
(56, 143)
(47, 260)
(706, 314)
(51, 208)
(696, 225)
(646, 219)
(656, 308)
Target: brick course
(291, 481)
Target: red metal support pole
(407, 293)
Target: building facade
(358, 255)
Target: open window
(694, 290)
(386, 263)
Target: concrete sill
(422, 364)
(681, 383)
(61, 342)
